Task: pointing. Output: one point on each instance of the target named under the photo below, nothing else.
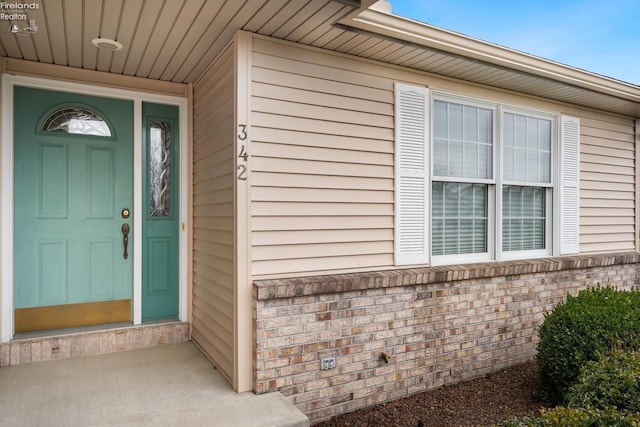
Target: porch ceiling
(176, 40)
(170, 40)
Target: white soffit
(172, 41)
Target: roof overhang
(178, 41)
(462, 57)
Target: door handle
(125, 234)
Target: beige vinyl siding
(213, 224)
(321, 164)
(607, 184)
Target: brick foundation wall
(439, 325)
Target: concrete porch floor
(170, 385)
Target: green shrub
(573, 417)
(576, 331)
(613, 380)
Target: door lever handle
(125, 234)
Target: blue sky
(601, 36)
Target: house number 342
(244, 154)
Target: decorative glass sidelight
(160, 293)
(76, 120)
(159, 168)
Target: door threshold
(90, 341)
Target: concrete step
(170, 385)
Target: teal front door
(73, 196)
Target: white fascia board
(378, 22)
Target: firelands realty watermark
(13, 11)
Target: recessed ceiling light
(107, 44)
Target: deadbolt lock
(125, 213)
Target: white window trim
(494, 232)
(556, 225)
(551, 213)
(437, 260)
(471, 102)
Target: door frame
(6, 204)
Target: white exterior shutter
(570, 186)
(411, 174)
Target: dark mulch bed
(479, 402)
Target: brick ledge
(74, 344)
(336, 283)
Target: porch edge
(79, 344)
